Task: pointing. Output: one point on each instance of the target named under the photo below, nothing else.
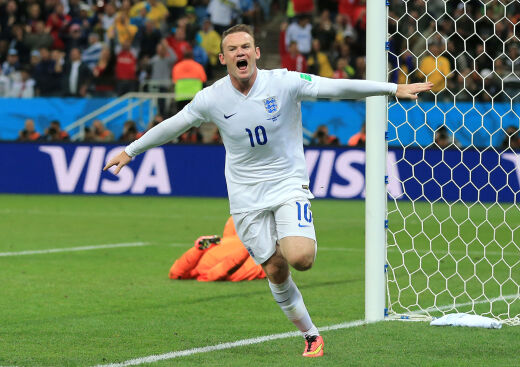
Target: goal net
(453, 220)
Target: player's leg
(290, 300)
(297, 245)
(257, 231)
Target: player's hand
(120, 160)
(409, 91)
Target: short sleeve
(303, 86)
(196, 111)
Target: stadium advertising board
(198, 170)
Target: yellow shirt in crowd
(156, 14)
(436, 71)
(210, 42)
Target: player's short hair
(235, 29)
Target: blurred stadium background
(81, 79)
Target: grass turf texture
(111, 305)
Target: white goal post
(443, 223)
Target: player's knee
(302, 261)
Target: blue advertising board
(198, 170)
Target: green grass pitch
(106, 306)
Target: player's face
(239, 55)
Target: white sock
(290, 300)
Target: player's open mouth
(242, 65)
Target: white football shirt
(262, 133)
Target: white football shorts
(259, 230)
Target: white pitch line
(72, 249)
(238, 343)
(257, 340)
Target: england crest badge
(271, 105)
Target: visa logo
(89, 161)
(342, 175)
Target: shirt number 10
(261, 136)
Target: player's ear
(221, 58)
(257, 52)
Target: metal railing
(127, 103)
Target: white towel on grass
(463, 319)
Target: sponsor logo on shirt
(228, 116)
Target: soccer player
(213, 258)
(259, 117)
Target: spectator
(5, 84)
(176, 9)
(55, 133)
(435, 68)
(249, 13)
(39, 38)
(47, 73)
(12, 64)
(76, 75)
(101, 133)
(156, 121)
(155, 11)
(92, 53)
(511, 140)
(192, 136)
(34, 14)
(75, 38)
(126, 67)
(321, 137)
(360, 70)
(301, 33)
(161, 65)
(222, 13)
(200, 55)
(178, 42)
(8, 17)
(22, 87)
(122, 30)
(358, 139)
(17, 43)
(318, 62)
(58, 23)
(104, 80)
(210, 42)
(443, 139)
(345, 53)
(190, 23)
(189, 78)
(282, 48)
(148, 39)
(108, 16)
(294, 60)
(88, 135)
(303, 7)
(323, 31)
(343, 70)
(28, 133)
(129, 132)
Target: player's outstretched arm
(410, 91)
(356, 89)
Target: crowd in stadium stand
(470, 51)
